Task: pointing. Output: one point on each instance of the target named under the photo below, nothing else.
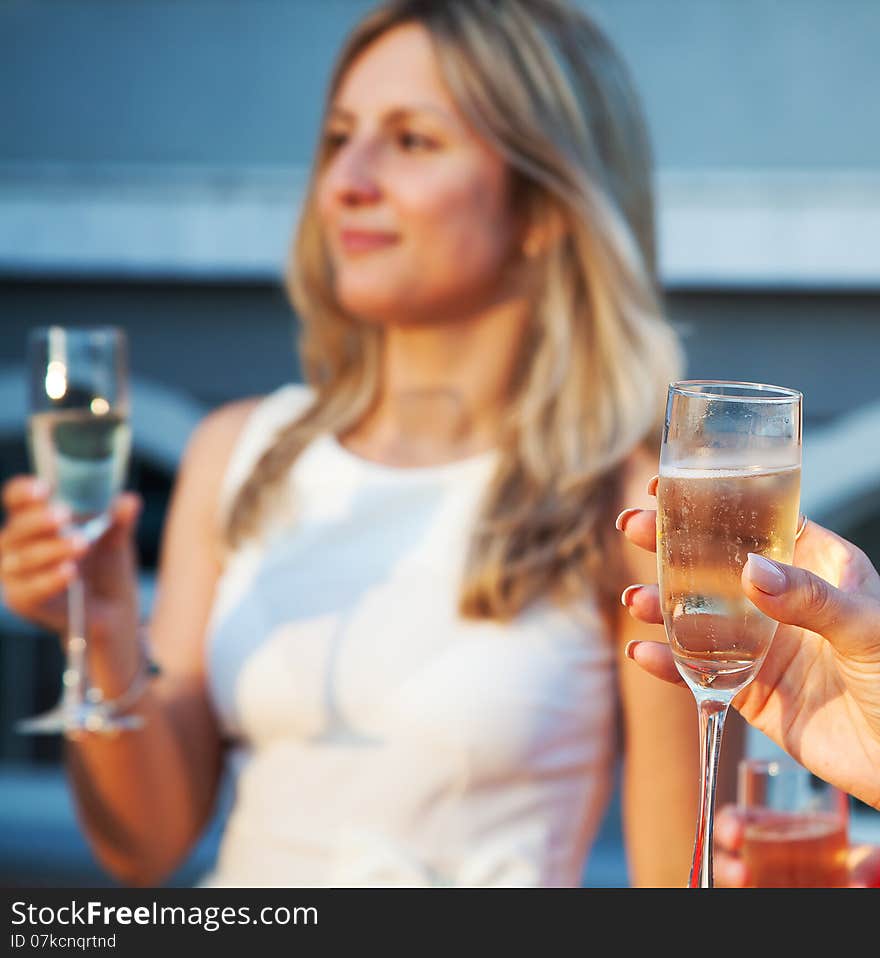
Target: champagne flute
(729, 485)
(79, 441)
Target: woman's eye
(415, 141)
(334, 139)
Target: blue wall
(726, 83)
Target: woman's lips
(365, 241)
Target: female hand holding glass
(68, 559)
(817, 694)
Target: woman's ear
(543, 233)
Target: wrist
(118, 697)
(113, 657)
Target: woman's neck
(444, 388)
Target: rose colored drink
(797, 850)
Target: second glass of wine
(79, 439)
(730, 464)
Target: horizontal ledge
(761, 229)
(716, 229)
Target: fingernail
(621, 521)
(79, 543)
(630, 648)
(67, 570)
(652, 485)
(766, 575)
(61, 514)
(39, 489)
(626, 597)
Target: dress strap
(275, 411)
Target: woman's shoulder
(224, 426)
(221, 428)
(222, 433)
(227, 444)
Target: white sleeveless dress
(375, 737)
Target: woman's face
(413, 204)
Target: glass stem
(712, 716)
(76, 681)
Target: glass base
(72, 721)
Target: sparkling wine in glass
(79, 440)
(729, 485)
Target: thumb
(128, 509)
(798, 597)
(124, 516)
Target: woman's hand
(38, 561)
(817, 694)
(730, 871)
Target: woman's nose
(353, 176)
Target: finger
(25, 561)
(640, 527)
(864, 866)
(838, 561)
(730, 826)
(34, 522)
(24, 596)
(798, 597)
(818, 537)
(656, 659)
(729, 871)
(127, 508)
(643, 602)
(124, 515)
(23, 491)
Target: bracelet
(147, 671)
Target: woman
(385, 600)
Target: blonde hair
(541, 83)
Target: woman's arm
(661, 752)
(143, 797)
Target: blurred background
(152, 156)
